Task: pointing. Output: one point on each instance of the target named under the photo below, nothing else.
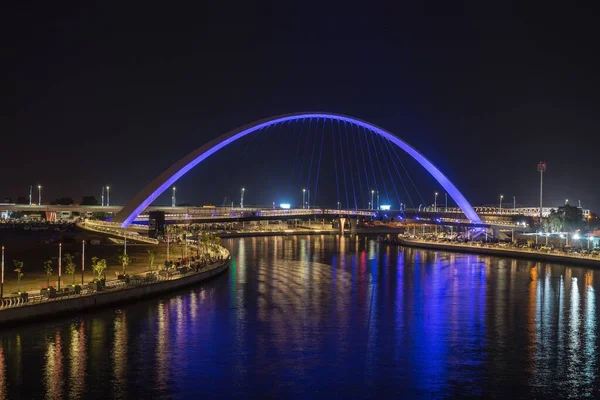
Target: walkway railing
(505, 248)
(115, 230)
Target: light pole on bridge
(303, 198)
(372, 203)
(514, 205)
(173, 199)
(501, 197)
(446, 210)
(30, 193)
(107, 196)
(102, 196)
(435, 202)
(39, 195)
(242, 198)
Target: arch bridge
(165, 180)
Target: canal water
(323, 317)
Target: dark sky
(96, 95)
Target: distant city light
(385, 207)
(285, 206)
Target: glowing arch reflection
(155, 188)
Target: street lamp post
(173, 199)
(242, 198)
(59, 264)
(303, 198)
(338, 205)
(82, 260)
(372, 203)
(541, 169)
(514, 205)
(102, 196)
(308, 199)
(566, 202)
(446, 202)
(39, 195)
(435, 202)
(30, 193)
(108, 196)
(501, 197)
(2, 281)
(378, 200)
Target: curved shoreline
(528, 255)
(53, 308)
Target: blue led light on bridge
(164, 181)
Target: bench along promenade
(495, 250)
(95, 295)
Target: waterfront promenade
(496, 250)
(35, 306)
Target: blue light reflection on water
(319, 317)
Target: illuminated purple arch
(161, 183)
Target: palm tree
(69, 266)
(48, 269)
(19, 270)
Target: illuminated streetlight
(107, 196)
(39, 195)
(2, 281)
(303, 198)
(173, 197)
(501, 197)
(435, 202)
(59, 264)
(372, 204)
(242, 198)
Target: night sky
(96, 95)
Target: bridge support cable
(408, 175)
(351, 164)
(312, 155)
(320, 156)
(307, 141)
(388, 144)
(343, 164)
(361, 193)
(384, 156)
(362, 151)
(293, 176)
(337, 184)
(379, 166)
(371, 161)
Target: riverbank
(503, 252)
(116, 292)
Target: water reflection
(3, 392)
(332, 316)
(119, 353)
(77, 359)
(53, 378)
